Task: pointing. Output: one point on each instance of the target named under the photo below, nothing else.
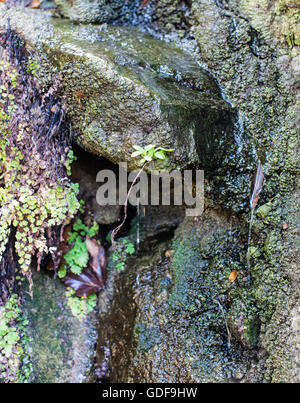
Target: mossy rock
(61, 347)
(124, 87)
(172, 322)
(250, 47)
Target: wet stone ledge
(124, 87)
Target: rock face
(90, 10)
(124, 87)
(61, 347)
(181, 300)
(251, 48)
(180, 292)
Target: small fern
(77, 258)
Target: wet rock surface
(61, 348)
(246, 45)
(172, 327)
(124, 87)
(155, 220)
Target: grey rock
(124, 87)
(61, 347)
(171, 328)
(154, 220)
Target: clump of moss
(80, 306)
(35, 193)
(13, 364)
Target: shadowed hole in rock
(157, 223)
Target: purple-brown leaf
(93, 277)
(98, 260)
(84, 284)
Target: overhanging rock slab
(124, 87)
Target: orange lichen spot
(81, 96)
(233, 275)
(35, 4)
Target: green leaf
(120, 266)
(62, 271)
(76, 269)
(130, 249)
(82, 259)
(160, 155)
(149, 147)
(136, 153)
(136, 147)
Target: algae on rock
(246, 49)
(251, 48)
(172, 324)
(61, 347)
(124, 87)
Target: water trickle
(138, 227)
(257, 187)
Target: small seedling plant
(122, 250)
(147, 154)
(150, 153)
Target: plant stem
(117, 229)
(227, 328)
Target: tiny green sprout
(62, 271)
(130, 248)
(150, 152)
(121, 252)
